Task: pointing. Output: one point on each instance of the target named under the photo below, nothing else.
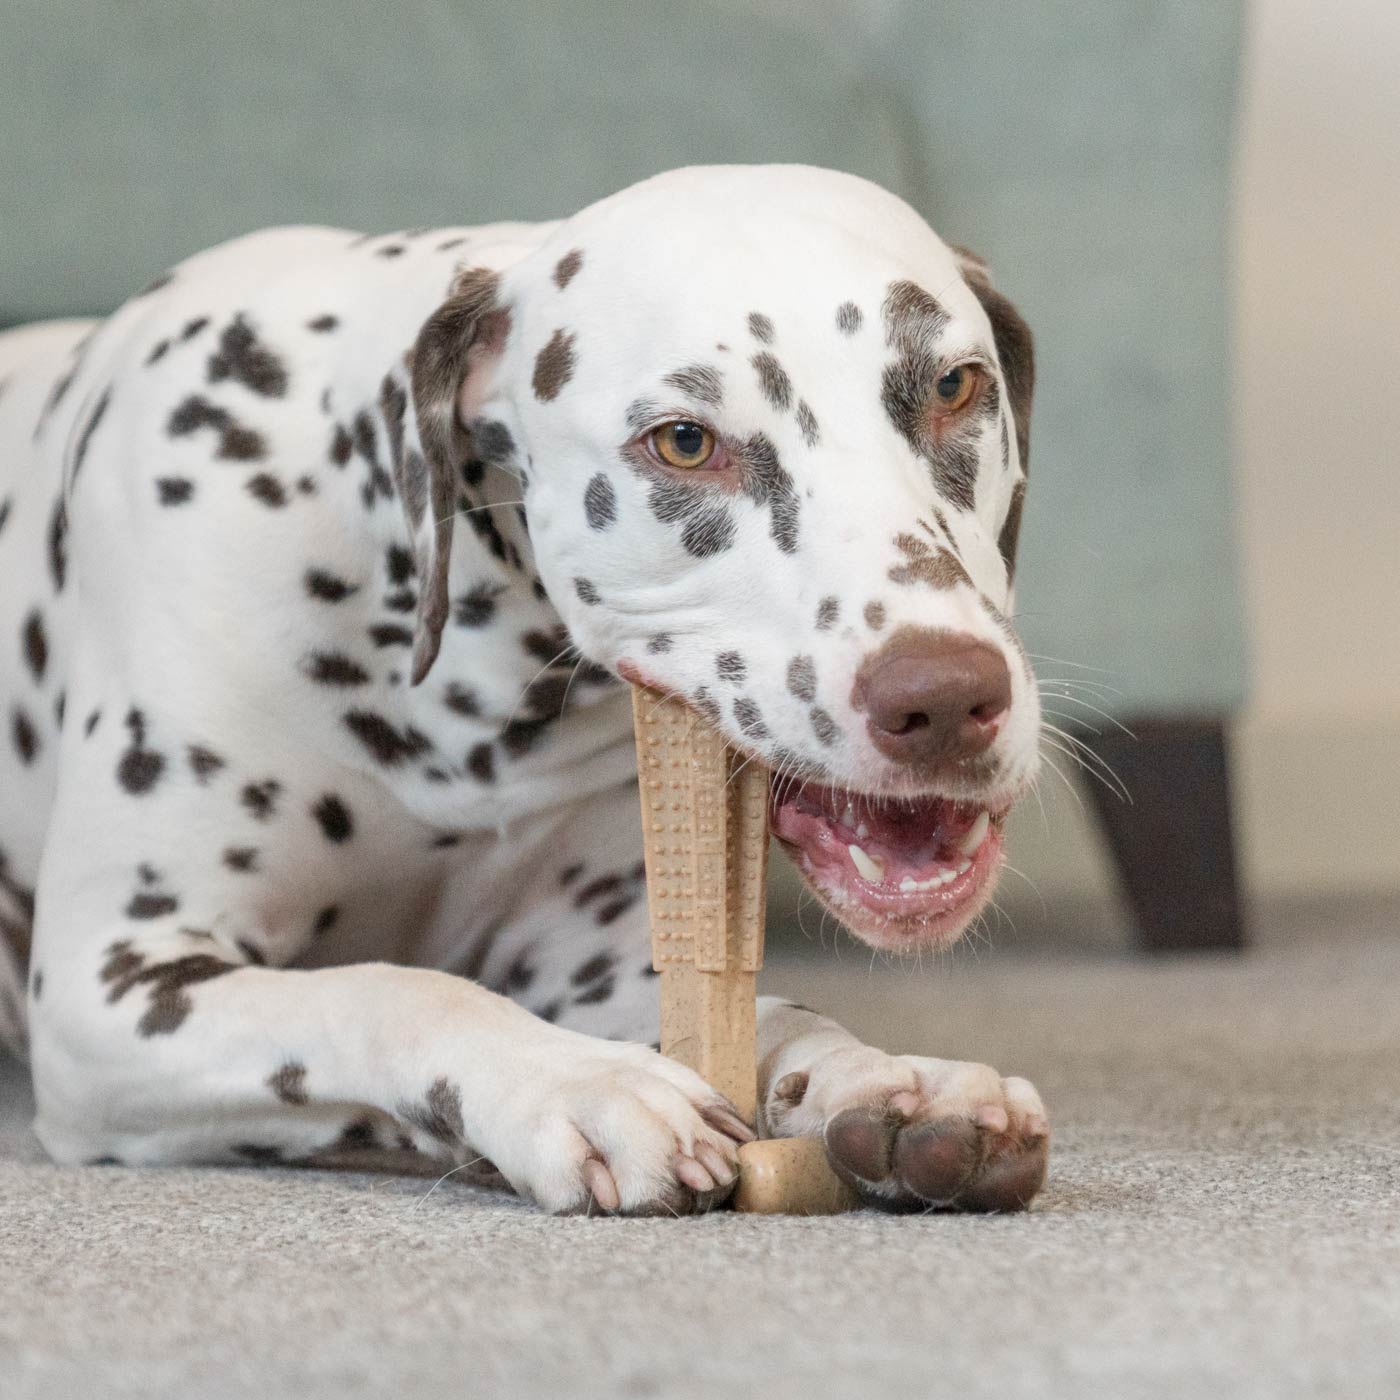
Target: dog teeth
(869, 868)
(908, 885)
(862, 831)
(977, 833)
(963, 868)
(848, 818)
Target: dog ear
(1016, 352)
(449, 361)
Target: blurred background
(1194, 203)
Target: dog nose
(933, 697)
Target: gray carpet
(1223, 1219)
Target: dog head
(772, 435)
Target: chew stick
(705, 824)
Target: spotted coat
(320, 561)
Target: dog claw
(601, 1186)
(714, 1162)
(726, 1120)
(992, 1116)
(693, 1174)
(905, 1104)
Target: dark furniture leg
(1173, 844)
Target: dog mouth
(900, 873)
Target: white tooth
(870, 868)
(963, 868)
(976, 834)
(862, 831)
(909, 884)
(947, 877)
(848, 817)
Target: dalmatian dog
(323, 563)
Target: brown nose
(933, 697)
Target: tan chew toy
(705, 821)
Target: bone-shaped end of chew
(790, 1176)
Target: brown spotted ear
(1016, 351)
(468, 329)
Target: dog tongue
(912, 833)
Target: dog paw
(910, 1133)
(617, 1129)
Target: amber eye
(683, 444)
(955, 389)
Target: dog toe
(859, 1144)
(935, 1159)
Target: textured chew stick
(705, 823)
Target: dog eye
(683, 444)
(955, 389)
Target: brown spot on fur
(773, 380)
(388, 745)
(566, 269)
(440, 1113)
(766, 481)
(911, 311)
(145, 905)
(823, 726)
(750, 718)
(169, 1004)
(699, 382)
(242, 357)
(85, 437)
(289, 1082)
(802, 678)
(36, 645)
(932, 565)
(24, 735)
(554, 366)
(875, 616)
(914, 319)
(1011, 529)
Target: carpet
(1222, 1219)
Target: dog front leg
(169, 1052)
(908, 1132)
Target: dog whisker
(1059, 772)
(548, 665)
(473, 510)
(461, 1167)
(1021, 875)
(1078, 665)
(1091, 762)
(1075, 700)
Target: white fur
(189, 627)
